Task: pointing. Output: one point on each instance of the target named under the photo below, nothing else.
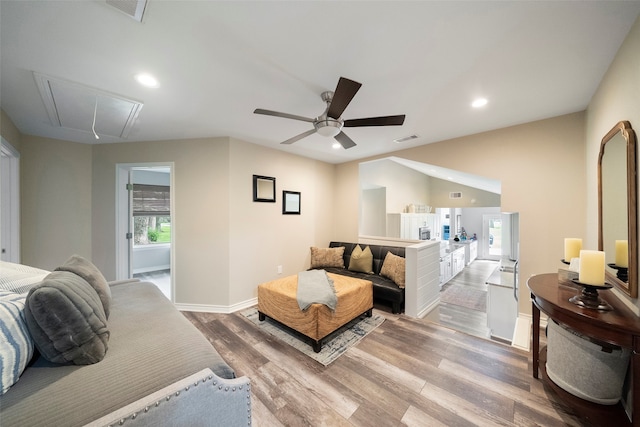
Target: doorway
(145, 217)
(492, 236)
(9, 203)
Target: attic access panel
(71, 105)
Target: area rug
(465, 296)
(333, 346)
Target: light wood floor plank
(406, 372)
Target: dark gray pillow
(66, 320)
(89, 272)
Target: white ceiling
(218, 61)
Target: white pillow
(19, 278)
(16, 345)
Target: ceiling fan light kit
(330, 123)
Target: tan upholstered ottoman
(278, 300)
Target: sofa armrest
(200, 399)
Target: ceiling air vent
(455, 195)
(133, 8)
(405, 139)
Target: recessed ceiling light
(147, 80)
(479, 102)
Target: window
(151, 214)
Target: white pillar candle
(622, 253)
(591, 268)
(572, 248)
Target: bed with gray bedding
(158, 368)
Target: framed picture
(264, 189)
(291, 202)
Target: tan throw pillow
(393, 268)
(327, 257)
(361, 260)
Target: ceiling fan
(330, 123)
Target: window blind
(151, 200)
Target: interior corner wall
(56, 195)
(262, 237)
(200, 219)
(616, 99)
(9, 131)
(541, 166)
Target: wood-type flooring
(460, 318)
(406, 372)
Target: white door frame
(10, 202)
(486, 220)
(124, 269)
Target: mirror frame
(624, 128)
(260, 194)
(290, 202)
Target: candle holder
(588, 297)
(622, 273)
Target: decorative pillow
(89, 272)
(66, 320)
(16, 346)
(361, 260)
(327, 257)
(393, 268)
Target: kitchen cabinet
(458, 261)
(406, 225)
(445, 269)
(502, 305)
(452, 262)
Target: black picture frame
(264, 189)
(290, 202)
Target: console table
(620, 326)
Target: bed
(277, 300)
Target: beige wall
(471, 197)
(9, 131)
(262, 238)
(617, 99)
(542, 169)
(224, 243)
(56, 194)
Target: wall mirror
(617, 207)
(264, 188)
(291, 203)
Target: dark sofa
(383, 289)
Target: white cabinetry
(471, 251)
(451, 264)
(445, 269)
(457, 261)
(406, 225)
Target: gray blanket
(315, 287)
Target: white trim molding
(220, 309)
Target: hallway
(472, 321)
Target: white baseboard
(429, 308)
(222, 309)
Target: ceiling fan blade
(299, 137)
(375, 121)
(283, 115)
(344, 140)
(344, 93)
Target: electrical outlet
(279, 269)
